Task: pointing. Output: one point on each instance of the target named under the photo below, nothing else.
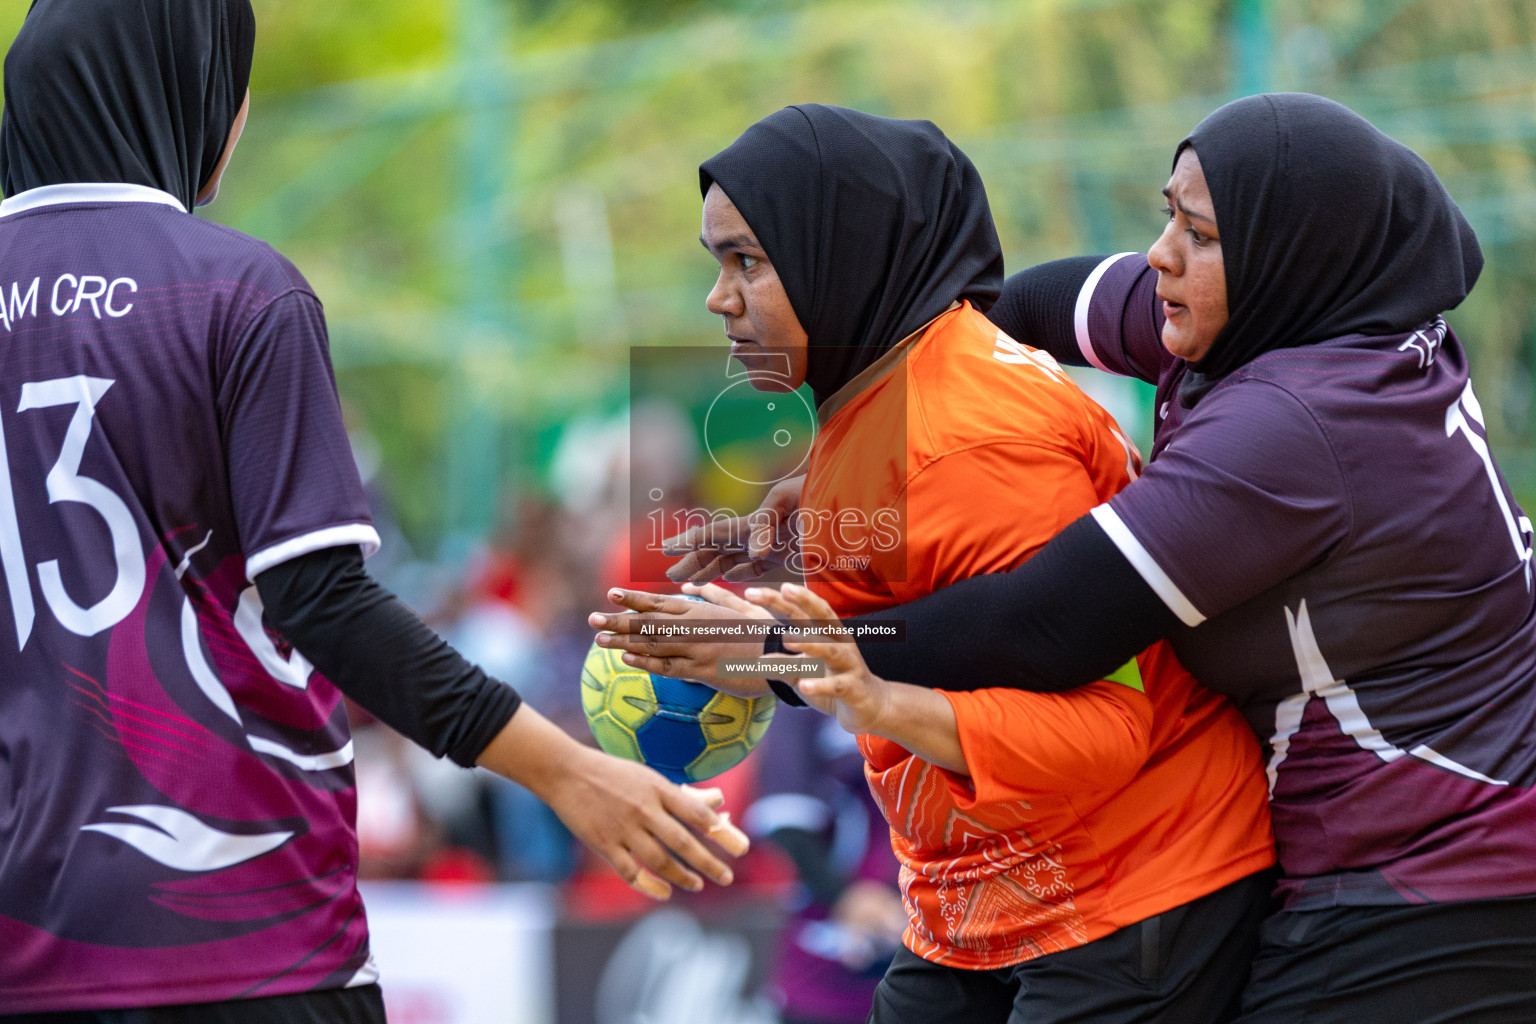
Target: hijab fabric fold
(875, 226)
(142, 92)
(1328, 228)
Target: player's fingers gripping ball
(685, 730)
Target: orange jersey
(962, 452)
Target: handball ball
(684, 730)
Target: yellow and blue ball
(685, 730)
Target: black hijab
(1328, 227)
(142, 92)
(874, 225)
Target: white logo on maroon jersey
(1426, 343)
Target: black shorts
(1471, 962)
(361, 1005)
(1184, 966)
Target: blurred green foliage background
(495, 199)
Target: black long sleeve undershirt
(1037, 306)
(366, 641)
(1072, 614)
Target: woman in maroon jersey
(178, 505)
(1324, 536)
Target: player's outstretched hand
(680, 658)
(646, 828)
(739, 549)
(849, 691)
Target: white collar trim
(86, 192)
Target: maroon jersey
(176, 785)
(1353, 571)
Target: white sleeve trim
(1080, 313)
(360, 534)
(1111, 523)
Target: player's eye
(1198, 237)
(1168, 212)
(748, 262)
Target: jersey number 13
(65, 483)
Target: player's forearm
(533, 752)
(376, 651)
(921, 721)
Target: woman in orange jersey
(1094, 855)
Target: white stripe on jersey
(1317, 679)
(180, 840)
(1111, 523)
(203, 674)
(1080, 313)
(1424, 753)
(308, 762)
(1287, 723)
(86, 192)
(283, 671)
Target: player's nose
(1163, 255)
(723, 299)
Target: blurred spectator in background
(846, 918)
(518, 614)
